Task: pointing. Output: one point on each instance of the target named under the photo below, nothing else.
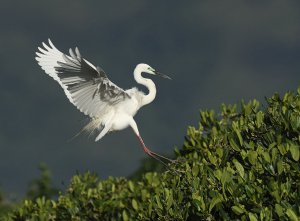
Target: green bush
(237, 165)
(42, 186)
(5, 205)
(39, 187)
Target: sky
(215, 52)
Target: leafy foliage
(238, 165)
(39, 187)
(42, 187)
(5, 205)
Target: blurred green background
(215, 51)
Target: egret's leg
(156, 156)
(153, 154)
(159, 157)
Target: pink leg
(153, 154)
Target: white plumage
(88, 88)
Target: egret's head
(148, 69)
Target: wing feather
(86, 86)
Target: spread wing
(86, 86)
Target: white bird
(88, 88)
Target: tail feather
(95, 125)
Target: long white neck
(148, 83)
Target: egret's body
(87, 87)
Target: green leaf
(144, 194)
(234, 145)
(217, 199)
(279, 210)
(259, 118)
(266, 156)
(218, 174)
(197, 204)
(280, 167)
(252, 217)
(274, 154)
(226, 177)
(89, 193)
(134, 204)
(219, 151)
(276, 195)
(192, 141)
(113, 188)
(238, 133)
(237, 210)
(170, 200)
(158, 202)
(282, 149)
(125, 216)
(291, 214)
(239, 168)
(131, 185)
(236, 129)
(195, 170)
(252, 157)
(202, 204)
(294, 149)
(212, 158)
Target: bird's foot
(164, 160)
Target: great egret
(87, 87)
